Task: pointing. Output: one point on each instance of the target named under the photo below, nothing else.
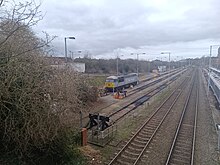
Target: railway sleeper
(185, 141)
(127, 158)
(149, 129)
(155, 120)
(135, 145)
(182, 158)
(183, 149)
(152, 125)
(185, 144)
(144, 135)
(138, 143)
(186, 132)
(152, 122)
(143, 138)
(120, 162)
(178, 162)
(149, 134)
(131, 153)
(141, 142)
(135, 149)
(186, 135)
(183, 153)
(189, 125)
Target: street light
(117, 63)
(179, 61)
(71, 38)
(73, 53)
(210, 50)
(137, 59)
(169, 58)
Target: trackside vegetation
(39, 104)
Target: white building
(60, 62)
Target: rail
(155, 121)
(174, 156)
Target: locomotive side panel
(131, 79)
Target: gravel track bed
(206, 136)
(158, 150)
(126, 129)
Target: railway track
(160, 78)
(138, 89)
(132, 152)
(136, 103)
(182, 149)
(140, 100)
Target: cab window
(109, 80)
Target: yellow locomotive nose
(109, 84)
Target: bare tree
(1, 2)
(15, 26)
(38, 103)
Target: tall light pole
(117, 62)
(71, 38)
(137, 60)
(210, 55)
(169, 58)
(71, 54)
(75, 54)
(179, 64)
(182, 62)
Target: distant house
(62, 62)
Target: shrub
(38, 103)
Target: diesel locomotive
(115, 83)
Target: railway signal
(101, 121)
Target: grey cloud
(122, 24)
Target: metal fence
(101, 138)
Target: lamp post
(75, 54)
(169, 58)
(182, 62)
(117, 63)
(137, 60)
(178, 61)
(71, 38)
(210, 55)
(71, 54)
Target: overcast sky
(186, 28)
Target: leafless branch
(23, 15)
(1, 2)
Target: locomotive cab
(110, 83)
